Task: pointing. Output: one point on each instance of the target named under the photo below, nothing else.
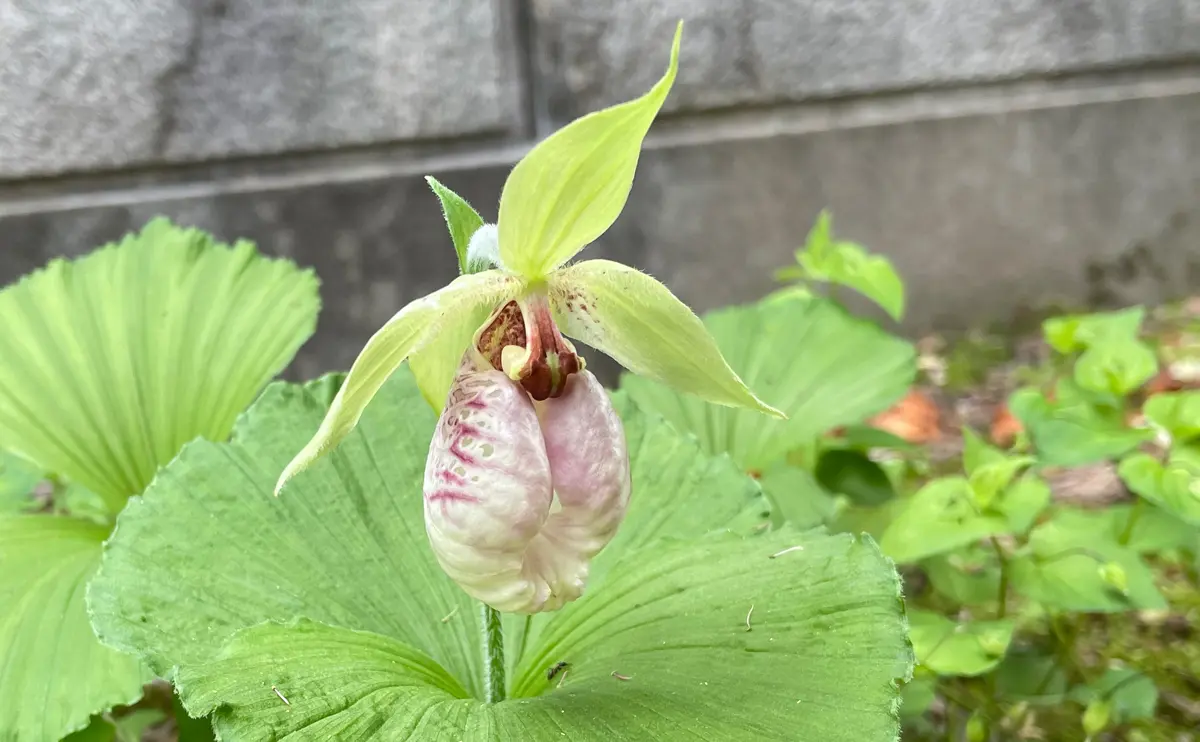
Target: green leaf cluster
(825, 369)
(1009, 578)
(694, 624)
(109, 364)
(825, 259)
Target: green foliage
(820, 365)
(1174, 486)
(462, 221)
(53, 673)
(795, 496)
(1178, 414)
(1128, 694)
(330, 596)
(18, 478)
(1071, 569)
(1084, 422)
(853, 474)
(108, 365)
(1034, 576)
(1074, 432)
(940, 517)
(571, 187)
(828, 260)
(322, 614)
(950, 648)
(1071, 333)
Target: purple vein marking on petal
(450, 496)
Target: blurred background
(1008, 155)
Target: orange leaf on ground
(1005, 427)
(1164, 381)
(915, 418)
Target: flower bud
(1114, 576)
(520, 496)
(1096, 717)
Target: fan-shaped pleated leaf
(330, 595)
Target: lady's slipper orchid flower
(528, 476)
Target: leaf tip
(285, 478)
(770, 411)
(301, 462)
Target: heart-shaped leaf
(1176, 412)
(1073, 433)
(950, 648)
(940, 517)
(1071, 568)
(1174, 487)
(1074, 332)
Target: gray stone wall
(1007, 154)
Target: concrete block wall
(1007, 154)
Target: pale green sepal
(461, 219)
(637, 321)
(444, 312)
(435, 364)
(572, 186)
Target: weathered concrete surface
(116, 83)
(769, 51)
(984, 215)
(375, 245)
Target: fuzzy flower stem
(493, 654)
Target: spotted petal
(518, 499)
(637, 321)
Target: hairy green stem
(493, 654)
(1135, 512)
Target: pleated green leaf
(110, 363)
(706, 640)
(53, 672)
(210, 573)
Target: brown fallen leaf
(1005, 427)
(915, 418)
(1163, 381)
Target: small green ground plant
(1027, 616)
(1015, 581)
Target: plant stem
(493, 654)
(1002, 598)
(1135, 512)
